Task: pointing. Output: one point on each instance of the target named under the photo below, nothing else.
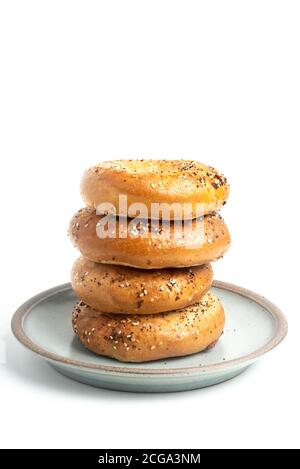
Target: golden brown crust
(125, 290)
(150, 250)
(160, 181)
(150, 337)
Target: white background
(83, 81)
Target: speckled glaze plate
(253, 327)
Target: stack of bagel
(145, 295)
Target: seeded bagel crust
(159, 181)
(141, 338)
(149, 250)
(125, 290)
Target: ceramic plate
(253, 326)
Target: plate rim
(24, 310)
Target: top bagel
(179, 182)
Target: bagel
(150, 250)
(159, 181)
(125, 290)
(150, 337)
